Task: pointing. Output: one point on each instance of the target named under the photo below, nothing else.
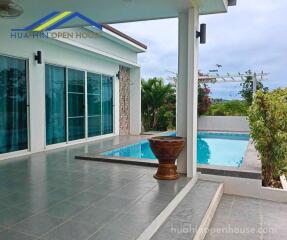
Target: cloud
(251, 35)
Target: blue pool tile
(221, 149)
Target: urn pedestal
(166, 149)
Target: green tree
(247, 88)
(229, 108)
(158, 104)
(268, 124)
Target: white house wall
(103, 44)
(54, 53)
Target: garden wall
(223, 123)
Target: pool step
(188, 216)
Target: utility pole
(254, 78)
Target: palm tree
(156, 96)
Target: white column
(187, 88)
(37, 105)
(135, 101)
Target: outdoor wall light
(118, 75)
(232, 2)
(38, 57)
(202, 33)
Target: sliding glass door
(76, 102)
(68, 117)
(94, 89)
(100, 104)
(13, 105)
(55, 104)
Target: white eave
(118, 39)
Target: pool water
(222, 149)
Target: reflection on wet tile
(51, 195)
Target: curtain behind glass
(13, 105)
(107, 104)
(76, 102)
(94, 104)
(55, 104)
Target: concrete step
(189, 216)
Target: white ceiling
(113, 11)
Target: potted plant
(166, 149)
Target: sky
(252, 35)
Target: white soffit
(113, 11)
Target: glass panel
(94, 124)
(107, 105)
(13, 107)
(76, 100)
(94, 104)
(76, 128)
(76, 105)
(55, 104)
(94, 83)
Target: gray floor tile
(72, 231)
(86, 198)
(104, 188)
(11, 235)
(146, 210)
(130, 193)
(12, 215)
(2, 229)
(38, 224)
(65, 209)
(248, 214)
(108, 233)
(95, 216)
(130, 224)
(156, 197)
(14, 199)
(36, 205)
(114, 203)
(59, 187)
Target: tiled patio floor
(239, 218)
(52, 196)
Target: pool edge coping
(203, 168)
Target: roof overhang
(114, 11)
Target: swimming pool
(222, 149)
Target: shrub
(204, 100)
(228, 108)
(268, 123)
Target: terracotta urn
(166, 149)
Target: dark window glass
(76, 101)
(94, 104)
(13, 105)
(107, 104)
(55, 104)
